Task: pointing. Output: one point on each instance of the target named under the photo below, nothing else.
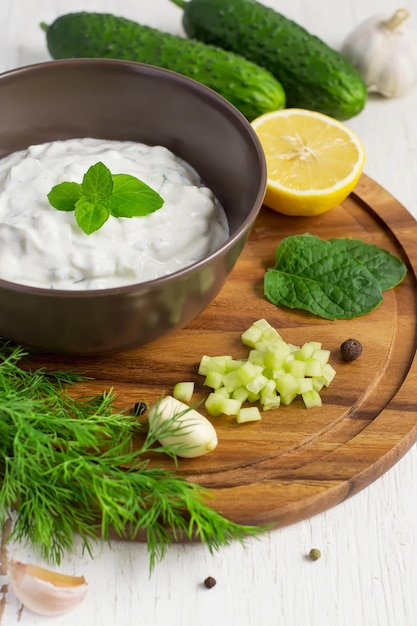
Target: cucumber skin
(251, 89)
(314, 76)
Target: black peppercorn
(209, 582)
(351, 349)
(139, 409)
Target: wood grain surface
(295, 462)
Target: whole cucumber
(251, 89)
(314, 76)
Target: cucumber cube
(306, 351)
(214, 380)
(233, 365)
(248, 414)
(218, 363)
(257, 383)
(295, 367)
(263, 325)
(203, 367)
(287, 384)
(222, 392)
(270, 402)
(304, 384)
(241, 393)
(251, 336)
(276, 354)
(253, 397)
(183, 391)
(248, 371)
(232, 381)
(230, 406)
(318, 382)
(313, 367)
(311, 399)
(322, 356)
(212, 404)
(328, 372)
(288, 397)
(256, 356)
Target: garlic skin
(191, 434)
(384, 51)
(45, 592)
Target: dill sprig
(68, 465)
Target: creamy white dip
(44, 247)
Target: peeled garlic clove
(45, 592)
(181, 429)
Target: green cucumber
(314, 76)
(251, 89)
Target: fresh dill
(68, 466)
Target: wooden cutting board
(296, 462)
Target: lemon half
(313, 161)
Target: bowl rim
(207, 92)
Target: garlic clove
(181, 429)
(46, 592)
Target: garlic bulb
(45, 592)
(384, 51)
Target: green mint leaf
(100, 194)
(64, 196)
(97, 182)
(313, 275)
(385, 267)
(132, 197)
(91, 215)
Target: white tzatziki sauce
(43, 247)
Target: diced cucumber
(232, 381)
(287, 383)
(251, 336)
(241, 393)
(313, 367)
(248, 371)
(270, 402)
(257, 383)
(256, 356)
(212, 404)
(183, 391)
(219, 363)
(248, 414)
(311, 398)
(230, 406)
(304, 384)
(214, 379)
(318, 382)
(203, 367)
(295, 367)
(328, 372)
(233, 365)
(322, 356)
(275, 372)
(253, 397)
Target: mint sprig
(101, 194)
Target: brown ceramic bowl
(129, 101)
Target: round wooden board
(295, 462)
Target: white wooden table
(367, 575)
